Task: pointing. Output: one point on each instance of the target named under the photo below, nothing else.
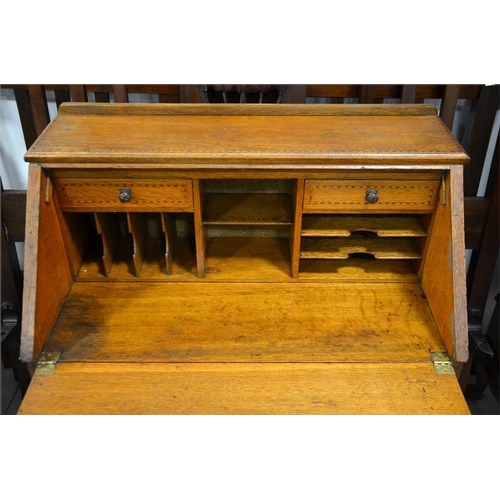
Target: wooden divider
(108, 229)
(138, 228)
(170, 232)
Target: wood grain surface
(245, 322)
(348, 196)
(344, 225)
(248, 258)
(357, 268)
(342, 248)
(167, 133)
(248, 208)
(47, 274)
(236, 388)
(249, 109)
(443, 272)
(174, 195)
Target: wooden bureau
(245, 259)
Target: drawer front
(418, 196)
(125, 195)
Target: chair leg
(11, 348)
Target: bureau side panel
(443, 274)
(47, 276)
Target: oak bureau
(245, 259)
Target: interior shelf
(248, 237)
(248, 209)
(248, 259)
(343, 248)
(358, 268)
(345, 225)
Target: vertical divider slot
(296, 229)
(138, 228)
(170, 231)
(108, 228)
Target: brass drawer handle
(371, 195)
(125, 195)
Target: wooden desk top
(211, 134)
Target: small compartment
(345, 225)
(249, 257)
(248, 209)
(381, 247)
(123, 246)
(359, 244)
(360, 268)
(247, 202)
(247, 225)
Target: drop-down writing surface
(245, 322)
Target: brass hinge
(442, 363)
(47, 363)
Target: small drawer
(125, 195)
(416, 196)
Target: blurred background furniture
(13, 203)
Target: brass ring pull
(125, 195)
(371, 195)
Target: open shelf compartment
(345, 225)
(247, 202)
(362, 245)
(124, 246)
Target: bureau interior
(360, 277)
(248, 306)
(251, 229)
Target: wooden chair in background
(13, 206)
(32, 100)
(484, 345)
(270, 94)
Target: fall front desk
(245, 259)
